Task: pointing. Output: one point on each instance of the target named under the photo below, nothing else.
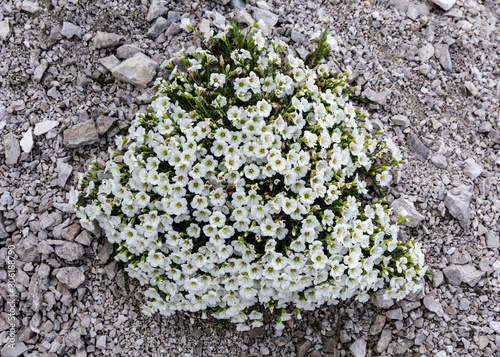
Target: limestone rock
(12, 149)
(156, 9)
(445, 4)
(433, 305)
(45, 126)
(266, 16)
(456, 274)
(69, 251)
(72, 277)
(39, 283)
(406, 208)
(81, 134)
(107, 39)
(400, 120)
(109, 62)
(138, 70)
(358, 348)
(30, 6)
(378, 97)
(64, 171)
(457, 202)
(127, 51)
(104, 123)
(425, 53)
(443, 55)
(421, 151)
(69, 30)
(4, 30)
(27, 141)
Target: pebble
(107, 39)
(395, 314)
(39, 283)
(173, 29)
(416, 145)
(299, 37)
(302, 347)
(173, 16)
(104, 124)
(12, 149)
(492, 240)
(426, 52)
(40, 70)
(384, 340)
(400, 120)
(27, 141)
(269, 18)
(433, 305)
(158, 27)
(377, 325)
(457, 202)
(4, 30)
(69, 30)
(439, 161)
(101, 342)
(358, 348)
(72, 277)
(444, 4)
(138, 70)
(45, 127)
(494, 135)
(471, 88)
(405, 207)
(80, 135)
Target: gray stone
(358, 348)
(384, 340)
(266, 16)
(30, 6)
(64, 171)
(302, 347)
(238, 4)
(109, 62)
(417, 147)
(405, 207)
(138, 70)
(444, 4)
(433, 305)
(494, 135)
(101, 342)
(40, 70)
(419, 339)
(377, 325)
(407, 306)
(439, 161)
(395, 314)
(18, 105)
(107, 39)
(50, 220)
(45, 126)
(127, 51)
(104, 124)
(457, 202)
(456, 13)
(492, 240)
(27, 141)
(456, 274)
(298, 37)
(71, 277)
(495, 326)
(69, 30)
(244, 17)
(39, 283)
(18, 350)
(73, 339)
(378, 97)
(379, 301)
(471, 88)
(69, 251)
(12, 149)
(443, 55)
(400, 120)
(173, 29)
(425, 53)
(473, 170)
(80, 135)
(485, 127)
(84, 238)
(173, 16)
(158, 27)
(400, 348)
(105, 252)
(4, 30)
(156, 9)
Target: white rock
(4, 30)
(27, 141)
(406, 208)
(473, 170)
(69, 30)
(138, 70)
(495, 326)
(2, 125)
(358, 348)
(45, 126)
(30, 6)
(445, 4)
(109, 62)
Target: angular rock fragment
(156, 9)
(433, 305)
(40, 70)
(421, 151)
(406, 208)
(456, 274)
(4, 30)
(439, 161)
(127, 51)
(400, 120)
(72, 277)
(39, 283)
(457, 202)
(12, 149)
(104, 123)
(69, 251)
(18, 349)
(384, 340)
(425, 53)
(379, 301)
(473, 170)
(27, 141)
(109, 62)
(378, 97)
(444, 4)
(64, 171)
(107, 39)
(30, 6)
(69, 30)
(358, 348)
(80, 135)
(45, 127)
(266, 16)
(443, 55)
(158, 27)
(138, 70)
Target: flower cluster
(243, 187)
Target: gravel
(433, 70)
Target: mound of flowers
(248, 186)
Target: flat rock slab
(416, 145)
(138, 70)
(456, 274)
(45, 127)
(266, 16)
(18, 350)
(12, 149)
(457, 202)
(80, 135)
(72, 277)
(39, 283)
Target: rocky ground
(74, 72)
